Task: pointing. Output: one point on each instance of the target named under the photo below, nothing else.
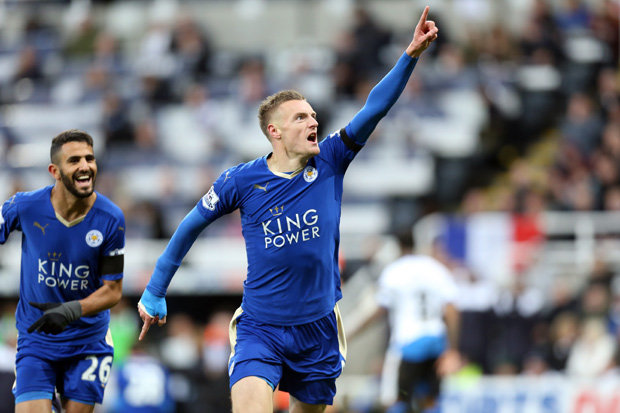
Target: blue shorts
(78, 373)
(304, 360)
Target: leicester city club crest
(94, 238)
(310, 173)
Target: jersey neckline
(62, 220)
(285, 175)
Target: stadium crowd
(519, 120)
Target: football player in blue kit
(73, 241)
(287, 331)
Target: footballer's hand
(152, 310)
(424, 34)
(56, 316)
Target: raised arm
(388, 90)
(152, 305)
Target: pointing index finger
(424, 15)
(145, 327)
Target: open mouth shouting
(312, 137)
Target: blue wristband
(154, 305)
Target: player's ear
(53, 170)
(274, 131)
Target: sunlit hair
(271, 104)
(71, 135)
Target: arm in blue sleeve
(170, 260)
(380, 99)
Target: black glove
(56, 316)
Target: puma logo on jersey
(264, 188)
(36, 224)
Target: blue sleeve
(9, 218)
(170, 260)
(222, 197)
(380, 99)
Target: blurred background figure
(142, 383)
(418, 294)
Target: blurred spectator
(595, 301)
(518, 310)
(581, 125)
(539, 81)
(196, 119)
(145, 220)
(535, 364)
(29, 65)
(143, 384)
(369, 39)
(180, 352)
(215, 352)
(40, 33)
(605, 174)
(611, 141)
(27, 83)
(252, 86)
(116, 123)
(605, 24)
(192, 49)
(215, 344)
(573, 16)
(156, 90)
(179, 349)
(107, 54)
(612, 199)
(608, 96)
(96, 82)
(593, 351)
(359, 53)
(80, 43)
(564, 330)
(419, 295)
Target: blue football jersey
(63, 261)
(290, 223)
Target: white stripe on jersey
(1, 217)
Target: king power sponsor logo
(57, 274)
(290, 229)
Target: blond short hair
(271, 104)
